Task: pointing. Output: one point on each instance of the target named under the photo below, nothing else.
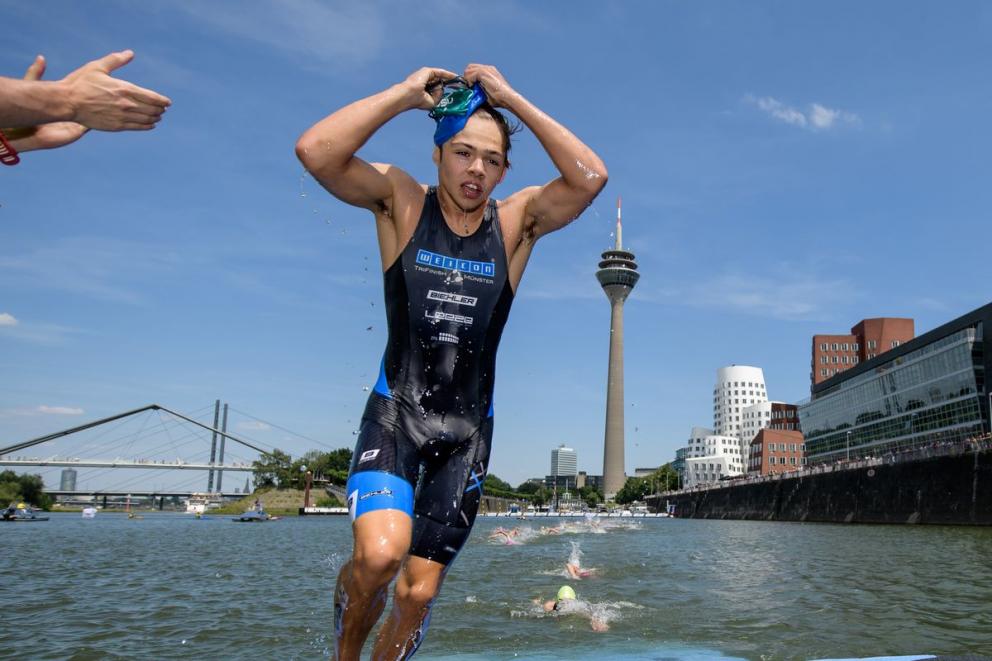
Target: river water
(173, 587)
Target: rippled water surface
(170, 586)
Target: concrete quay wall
(954, 489)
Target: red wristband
(8, 155)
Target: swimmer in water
(567, 602)
(577, 572)
(452, 258)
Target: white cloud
(788, 296)
(7, 319)
(817, 118)
(253, 425)
(43, 409)
(60, 410)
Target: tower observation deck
(617, 275)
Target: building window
(823, 372)
(834, 359)
(835, 346)
(856, 346)
(895, 343)
(844, 360)
(823, 360)
(856, 360)
(871, 344)
(844, 346)
(823, 346)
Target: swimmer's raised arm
(583, 174)
(328, 148)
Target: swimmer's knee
(417, 595)
(378, 564)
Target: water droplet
(365, 388)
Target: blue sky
(786, 169)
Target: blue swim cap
(449, 123)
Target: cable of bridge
(281, 428)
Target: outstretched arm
(89, 95)
(328, 148)
(583, 174)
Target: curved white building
(737, 387)
(739, 404)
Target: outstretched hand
(43, 136)
(100, 101)
(498, 91)
(425, 86)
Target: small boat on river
(255, 516)
(21, 514)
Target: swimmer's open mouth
(472, 190)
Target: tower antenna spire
(619, 227)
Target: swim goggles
(455, 107)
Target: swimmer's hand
(498, 91)
(100, 101)
(43, 136)
(422, 89)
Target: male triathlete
(452, 259)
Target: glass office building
(929, 390)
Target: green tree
(591, 495)
(273, 470)
(27, 488)
(635, 488)
(542, 496)
(530, 486)
(664, 479)
(493, 482)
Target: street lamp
(306, 490)
(848, 444)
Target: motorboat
(21, 514)
(89, 512)
(255, 516)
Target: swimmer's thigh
(448, 500)
(380, 490)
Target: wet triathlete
(452, 259)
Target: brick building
(833, 354)
(784, 416)
(776, 451)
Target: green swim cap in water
(566, 592)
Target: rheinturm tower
(617, 275)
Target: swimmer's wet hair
(506, 127)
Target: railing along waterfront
(941, 449)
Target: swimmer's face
(472, 162)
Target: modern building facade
(833, 354)
(617, 275)
(928, 390)
(68, 481)
(564, 462)
(776, 451)
(737, 387)
(784, 416)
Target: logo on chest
(447, 297)
(468, 266)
